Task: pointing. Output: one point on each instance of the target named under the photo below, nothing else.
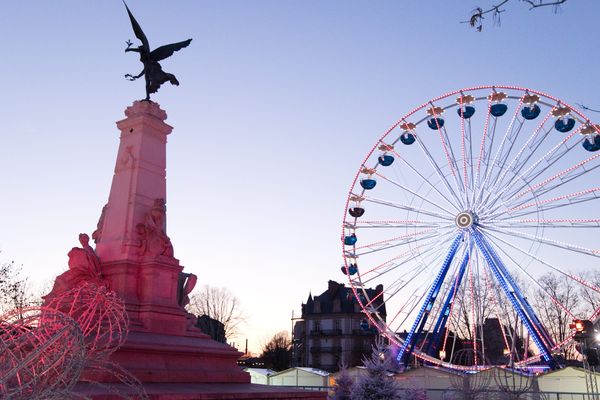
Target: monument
(135, 258)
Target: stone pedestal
(170, 356)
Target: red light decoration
(42, 354)
(100, 314)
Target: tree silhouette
(277, 352)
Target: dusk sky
(279, 103)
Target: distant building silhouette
(333, 329)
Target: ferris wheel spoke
(390, 243)
(427, 181)
(564, 176)
(406, 207)
(538, 333)
(425, 199)
(517, 163)
(534, 280)
(421, 319)
(550, 242)
(407, 309)
(482, 148)
(544, 188)
(404, 281)
(403, 258)
(400, 224)
(545, 223)
(451, 158)
(548, 264)
(522, 157)
(500, 157)
(444, 310)
(466, 150)
(438, 170)
(571, 199)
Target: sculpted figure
(153, 72)
(97, 234)
(151, 234)
(185, 285)
(84, 266)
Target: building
(333, 329)
(299, 376)
(260, 376)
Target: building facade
(333, 330)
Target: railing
(326, 349)
(313, 388)
(433, 394)
(326, 332)
(451, 394)
(360, 332)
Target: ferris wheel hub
(465, 219)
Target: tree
(590, 296)
(342, 389)
(377, 384)
(277, 352)
(219, 304)
(13, 288)
(477, 15)
(555, 300)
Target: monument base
(159, 358)
(215, 391)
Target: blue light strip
(445, 314)
(548, 341)
(417, 327)
(496, 266)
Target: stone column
(138, 182)
(135, 252)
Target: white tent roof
(260, 371)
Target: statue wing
(167, 50)
(137, 29)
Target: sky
(278, 105)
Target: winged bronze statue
(152, 71)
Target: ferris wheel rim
(357, 285)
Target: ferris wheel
(463, 213)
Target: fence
(450, 394)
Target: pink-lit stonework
(171, 357)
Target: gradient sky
(278, 105)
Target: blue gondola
(530, 112)
(466, 112)
(356, 212)
(591, 143)
(407, 138)
(386, 160)
(498, 109)
(368, 183)
(435, 123)
(353, 269)
(350, 240)
(564, 124)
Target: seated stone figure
(84, 266)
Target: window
(337, 324)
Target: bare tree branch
(477, 15)
(583, 107)
(220, 304)
(542, 3)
